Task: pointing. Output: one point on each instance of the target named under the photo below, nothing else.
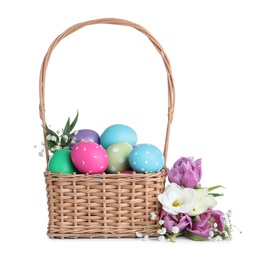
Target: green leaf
(72, 125)
(63, 142)
(215, 187)
(173, 236)
(216, 194)
(194, 237)
(66, 130)
(51, 144)
(227, 229)
(50, 132)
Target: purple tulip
(181, 221)
(185, 172)
(207, 222)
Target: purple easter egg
(86, 135)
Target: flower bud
(186, 172)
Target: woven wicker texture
(104, 205)
(114, 205)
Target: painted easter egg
(118, 133)
(118, 155)
(89, 157)
(146, 158)
(60, 162)
(127, 172)
(83, 135)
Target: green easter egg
(118, 154)
(61, 162)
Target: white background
(112, 75)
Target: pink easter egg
(89, 157)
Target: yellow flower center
(175, 203)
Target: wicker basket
(104, 205)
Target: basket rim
(105, 175)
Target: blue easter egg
(146, 158)
(118, 133)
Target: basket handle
(114, 21)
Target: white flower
(153, 215)
(211, 234)
(217, 238)
(139, 234)
(65, 137)
(57, 147)
(203, 201)
(161, 238)
(175, 230)
(176, 199)
(229, 213)
(225, 234)
(162, 231)
(161, 222)
(53, 138)
(48, 137)
(146, 237)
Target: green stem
(215, 187)
(173, 236)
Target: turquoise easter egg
(146, 158)
(118, 133)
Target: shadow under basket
(103, 205)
